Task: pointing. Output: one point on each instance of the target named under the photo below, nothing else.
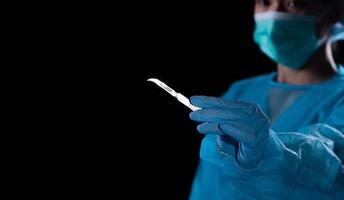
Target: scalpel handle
(181, 98)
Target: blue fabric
(304, 151)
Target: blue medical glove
(319, 166)
(257, 164)
(262, 163)
(333, 138)
(244, 122)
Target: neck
(298, 76)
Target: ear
(331, 15)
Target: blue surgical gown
(293, 109)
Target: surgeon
(280, 135)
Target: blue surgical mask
(288, 39)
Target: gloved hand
(244, 122)
(257, 163)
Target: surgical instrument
(181, 98)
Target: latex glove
(319, 166)
(332, 137)
(263, 167)
(322, 150)
(244, 122)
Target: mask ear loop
(329, 52)
(328, 42)
(329, 55)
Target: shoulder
(333, 91)
(335, 100)
(254, 80)
(340, 82)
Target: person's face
(307, 7)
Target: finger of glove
(217, 115)
(333, 134)
(292, 138)
(237, 133)
(211, 102)
(209, 128)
